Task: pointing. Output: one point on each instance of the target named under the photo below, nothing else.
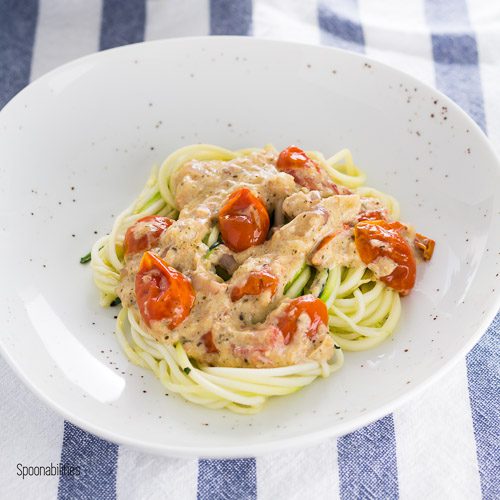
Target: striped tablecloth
(443, 444)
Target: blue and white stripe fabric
(443, 444)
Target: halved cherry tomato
(257, 283)
(308, 304)
(305, 170)
(379, 214)
(162, 292)
(425, 245)
(243, 220)
(380, 238)
(153, 226)
(208, 340)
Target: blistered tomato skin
(257, 283)
(308, 304)
(305, 171)
(243, 221)
(153, 226)
(381, 238)
(162, 292)
(425, 245)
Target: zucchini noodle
(242, 390)
(341, 168)
(362, 311)
(107, 252)
(213, 236)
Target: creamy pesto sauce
(245, 331)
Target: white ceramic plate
(77, 145)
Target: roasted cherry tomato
(162, 292)
(380, 238)
(308, 304)
(243, 220)
(208, 340)
(257, 283)
(150, 229)
(305, 170)
(425, 245)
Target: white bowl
(77, 145)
